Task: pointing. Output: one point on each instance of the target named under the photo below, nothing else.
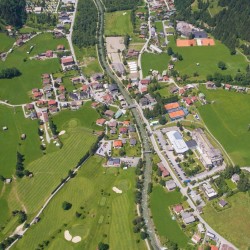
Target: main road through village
(144, 131)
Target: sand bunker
(67, 235)
(76, 239)
(124, 13)
(117, 190)
(62, 132)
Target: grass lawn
(11, 142)
(160, 201)
(6, 42)
(85, 117)
(31, 69)
(118, 23)
(208, 58)
(228, 119)
(88, 60)
(159, 26)
(230, 184)
(110, 223)
(154, 61)
(226, 220)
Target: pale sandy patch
(76, 239)
(67, 235)
(62, 132)
(117, 190)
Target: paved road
(183, 190)
(144, 137)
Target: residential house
(123, 130)
(164, 171)
(49, 53)
(117, 144)
(100, 122)
(67, 60)
(187, 217)
(29, 106)
(235, 178)
(196, 238)
(178, 209)
(113, 162)
(109, 113)
(170, 185)
(222, 203)
(60, 47)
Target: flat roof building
(177, 142)
(209, 155)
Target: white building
(155, 49)
(209, 190)
(177, 142)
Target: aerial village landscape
(124, 126)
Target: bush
(66, 205)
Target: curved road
(144, 136)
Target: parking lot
(105, 147)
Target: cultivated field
(225, 221)
(167, 228)
(228, 120)
(105, 215)
(118, 23)
(31, 69)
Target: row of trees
(114, 5)
(42, 20)
(20, 171)
(9, 73)
(85, 26)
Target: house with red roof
(100, 122)
(117, 144)
(60, 47)
(49, 53)
(123, 130)
(37, 95)
(67, 60)
(227, 86)
(178, 208)
(145, 81)
(52, 103)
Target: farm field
(6, 42)
(118, 23)
(208, 58)
(105, 215)
(228, 119)
(30, 78)
(160, 201)
(154, 61)
(225, 221)
(11, 142)
(49, 169)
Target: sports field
(228, 120)
(155, 62)
(208, 58)
(227, 220)
(160, 201)
(6, 42)
(105, 215)
(118, 23)
(31, 69)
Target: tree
(170, 51)
(222, 65)
(66, 205)
(13, 12)
(144, 235)
(103, 246)
(163, 120)
(243, 184)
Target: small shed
(23, 136)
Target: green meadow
(118, 23)
(228, 120)
(104, 215)
(31, 69)
(225, 220)
(167, 228)
(6, 42)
